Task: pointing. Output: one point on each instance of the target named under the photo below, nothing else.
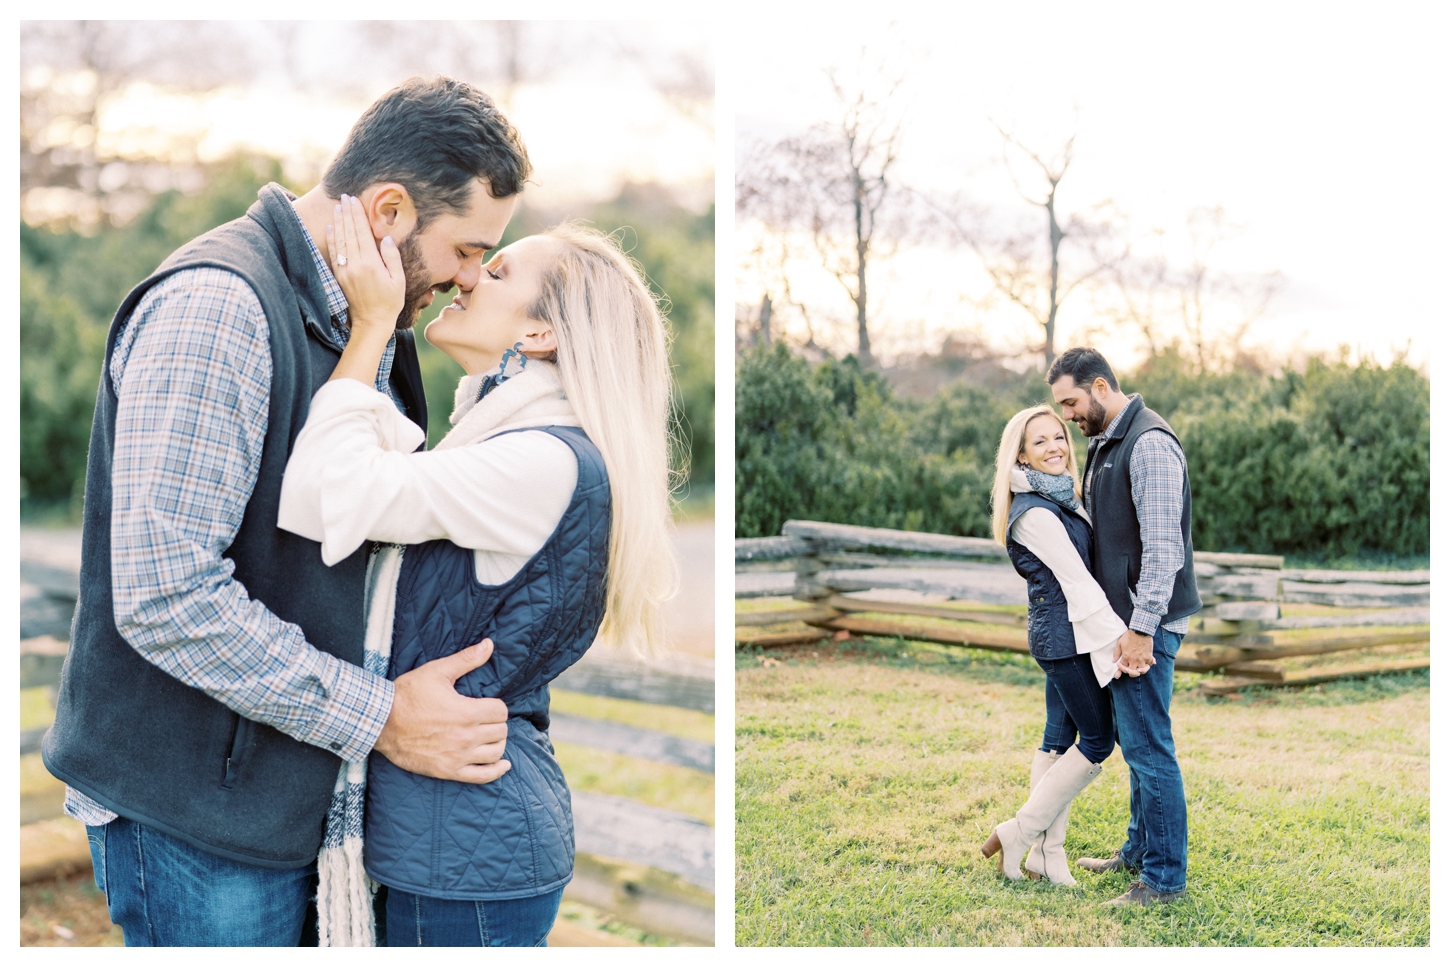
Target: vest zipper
(240, 732)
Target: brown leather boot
(1141, 894)
(1110, 865)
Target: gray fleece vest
(1117, 535)
(135, 739)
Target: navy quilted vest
(1049, 632)
(513, 837)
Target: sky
(1317, 130)
(589, 112)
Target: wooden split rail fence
(1244, 635)
(652, 868)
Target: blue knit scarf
(1053, 486)
(512, 364)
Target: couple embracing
(310, 656)
(1108, 560)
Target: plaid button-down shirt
(193, 374)
(1156, 469)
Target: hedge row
(1331, 461)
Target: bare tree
(1189, 301)
(766, 266)
(1201, 286)
(1139, 289)
(684, 78)
(1026, 265)
(72, 70)
(837, 183)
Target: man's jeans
(163, 892)
(1157, 842)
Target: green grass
(684, 722)
(678, 788)
(592, 919)
(653, 783)
(694, 502)
(867, 778)
(35, 709)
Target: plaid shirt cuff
(1143, 622)
(355, 711)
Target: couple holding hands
(1108, 560)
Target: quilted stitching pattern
(513, 837)
(1049, 633)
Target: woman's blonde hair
(613, 359)
(1013, 445)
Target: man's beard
(415, 276)
(1095, 421)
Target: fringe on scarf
(344, 890)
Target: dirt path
(690, 616)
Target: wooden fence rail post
(838, 566)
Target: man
(213, 683)
(1135, 487)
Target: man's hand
(434, 731)
(1134, 653)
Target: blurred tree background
(1328, 462)
(124, 158)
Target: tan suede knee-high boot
(1069, 776)
(1034, 864)
(1049, 854)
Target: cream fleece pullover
(354, 476)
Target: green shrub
(1332, 461)
(70, 286)
(832, 443)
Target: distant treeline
(71, 285)
(1333, 461)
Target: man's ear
(540, 342)
(1101, 389)
(390, 210)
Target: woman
(539, 520)
(1071, 630)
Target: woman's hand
(371, 275)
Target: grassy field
(868, 774)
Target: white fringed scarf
(533, 396)
(344, 890)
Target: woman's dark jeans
(422, 921)
(1077, 708)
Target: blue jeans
(1077, 708)
(1157, 842)
(423, 921)
(163, 892)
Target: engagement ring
(342, 260)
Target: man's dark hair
(435, 137)
(1084, 365)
